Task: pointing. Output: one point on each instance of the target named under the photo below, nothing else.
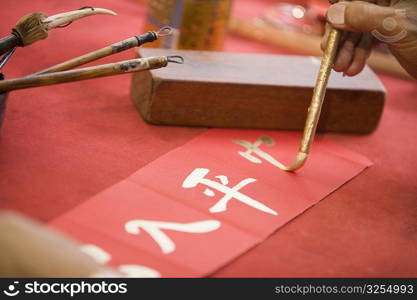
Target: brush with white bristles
(34, 27)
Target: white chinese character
(154, 229)
(102, 257)
(254, 149)
(197, 177)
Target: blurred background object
(297, 27)
(197, 24)
(292, 26)
(292, 17)
(29, 249)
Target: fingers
(359, 16)
(356, 18)
(385, 20)
(360, 56)
(347, 51)
(355, 48)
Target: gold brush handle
(317, 100)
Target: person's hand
(393, 22)
(28, 249)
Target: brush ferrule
(16, 35)
(148, 37)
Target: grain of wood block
(215, 89)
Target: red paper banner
(198, 207)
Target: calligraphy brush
(127, 66)
(34, 27)
(135, 41)
(3, 96)
(317, 100)
(6, 57)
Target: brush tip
(30, 29)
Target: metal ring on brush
(164, 31)
(176, 59)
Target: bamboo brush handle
(128, 66)
(129, 43)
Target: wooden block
(214, 89)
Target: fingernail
(336, 14)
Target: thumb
(360, 16)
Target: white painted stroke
(155, 230)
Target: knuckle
(360, 16)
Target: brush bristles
(30, 29)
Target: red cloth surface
(207, 202)
(63, 144)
